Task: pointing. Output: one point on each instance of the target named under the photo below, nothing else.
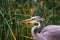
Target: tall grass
(13, 11)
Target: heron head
(35, 19)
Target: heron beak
(28, 21)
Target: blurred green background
(13, 11)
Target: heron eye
(32, 19)
(35, 24)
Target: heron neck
(36, 29)
(40, 26)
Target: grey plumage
(50, 32)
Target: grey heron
(50, 32)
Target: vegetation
(13, 11)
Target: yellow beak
(28, 21)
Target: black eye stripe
(33, 19)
